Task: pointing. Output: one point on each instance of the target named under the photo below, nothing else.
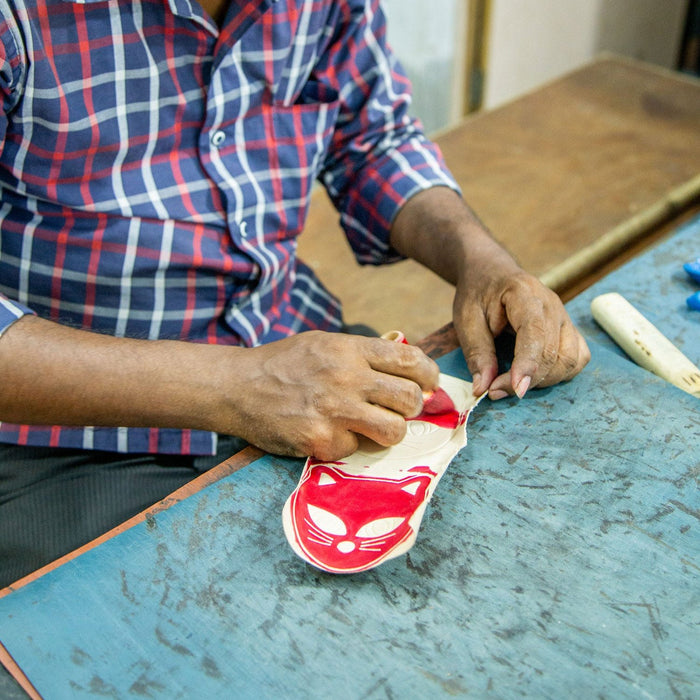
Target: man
(156, 164)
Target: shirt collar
(246, 12)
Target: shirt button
(217, 138)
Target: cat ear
(325, 479)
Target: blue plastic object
(693, 301)
(693, 269)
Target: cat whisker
(314, 530)
(325, 543)
(378, 540)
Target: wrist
(439, 230)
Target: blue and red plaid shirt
(155, 171)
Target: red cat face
(346, 523)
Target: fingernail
(497, 394)
(523, 386)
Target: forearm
(438, 229)
(492, 293)
(309, 394)
(54, 375)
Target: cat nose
(346, 546)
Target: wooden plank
(550, 173)
(555, 170)
(631, 251)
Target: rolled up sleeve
(379, 156)
(11, 311)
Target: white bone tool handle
(644, 343)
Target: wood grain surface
(549, 173)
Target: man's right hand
(311, 394)
(314, 393)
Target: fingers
(548, 348)
(315, 393)
(479, 350)
(537, 342)
(329, 447)
(399, 395)
(543, 357)
(572, 357)
(383, 426)
(390, 393)
(379, 414)
(401, 360)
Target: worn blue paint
(657, 285)
(559, 557)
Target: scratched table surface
(558, 558)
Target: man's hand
(548, 348)
(493, 295)
(311, 394)
(314, 393)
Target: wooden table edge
(229, 466)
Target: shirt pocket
(303, 129)
(302, 134)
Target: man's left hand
(548, 348)
(493, 295)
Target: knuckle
(520, 285)
(402, 396)
(411, 362)
(415, 405)
(569, 363)
(408, 357)
(391, 431)
(538, 326)
(409, 401)
(585, 355)
(550, 354)
(416, 360)
(476, 356)
(321, 444)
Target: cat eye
(379, 527)
(328, 522)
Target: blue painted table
(558, 558)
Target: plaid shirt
(155, 171)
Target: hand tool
(644, 343)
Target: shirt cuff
(11, 311)
(393, 179)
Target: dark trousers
(54, 500)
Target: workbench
(559, 556)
